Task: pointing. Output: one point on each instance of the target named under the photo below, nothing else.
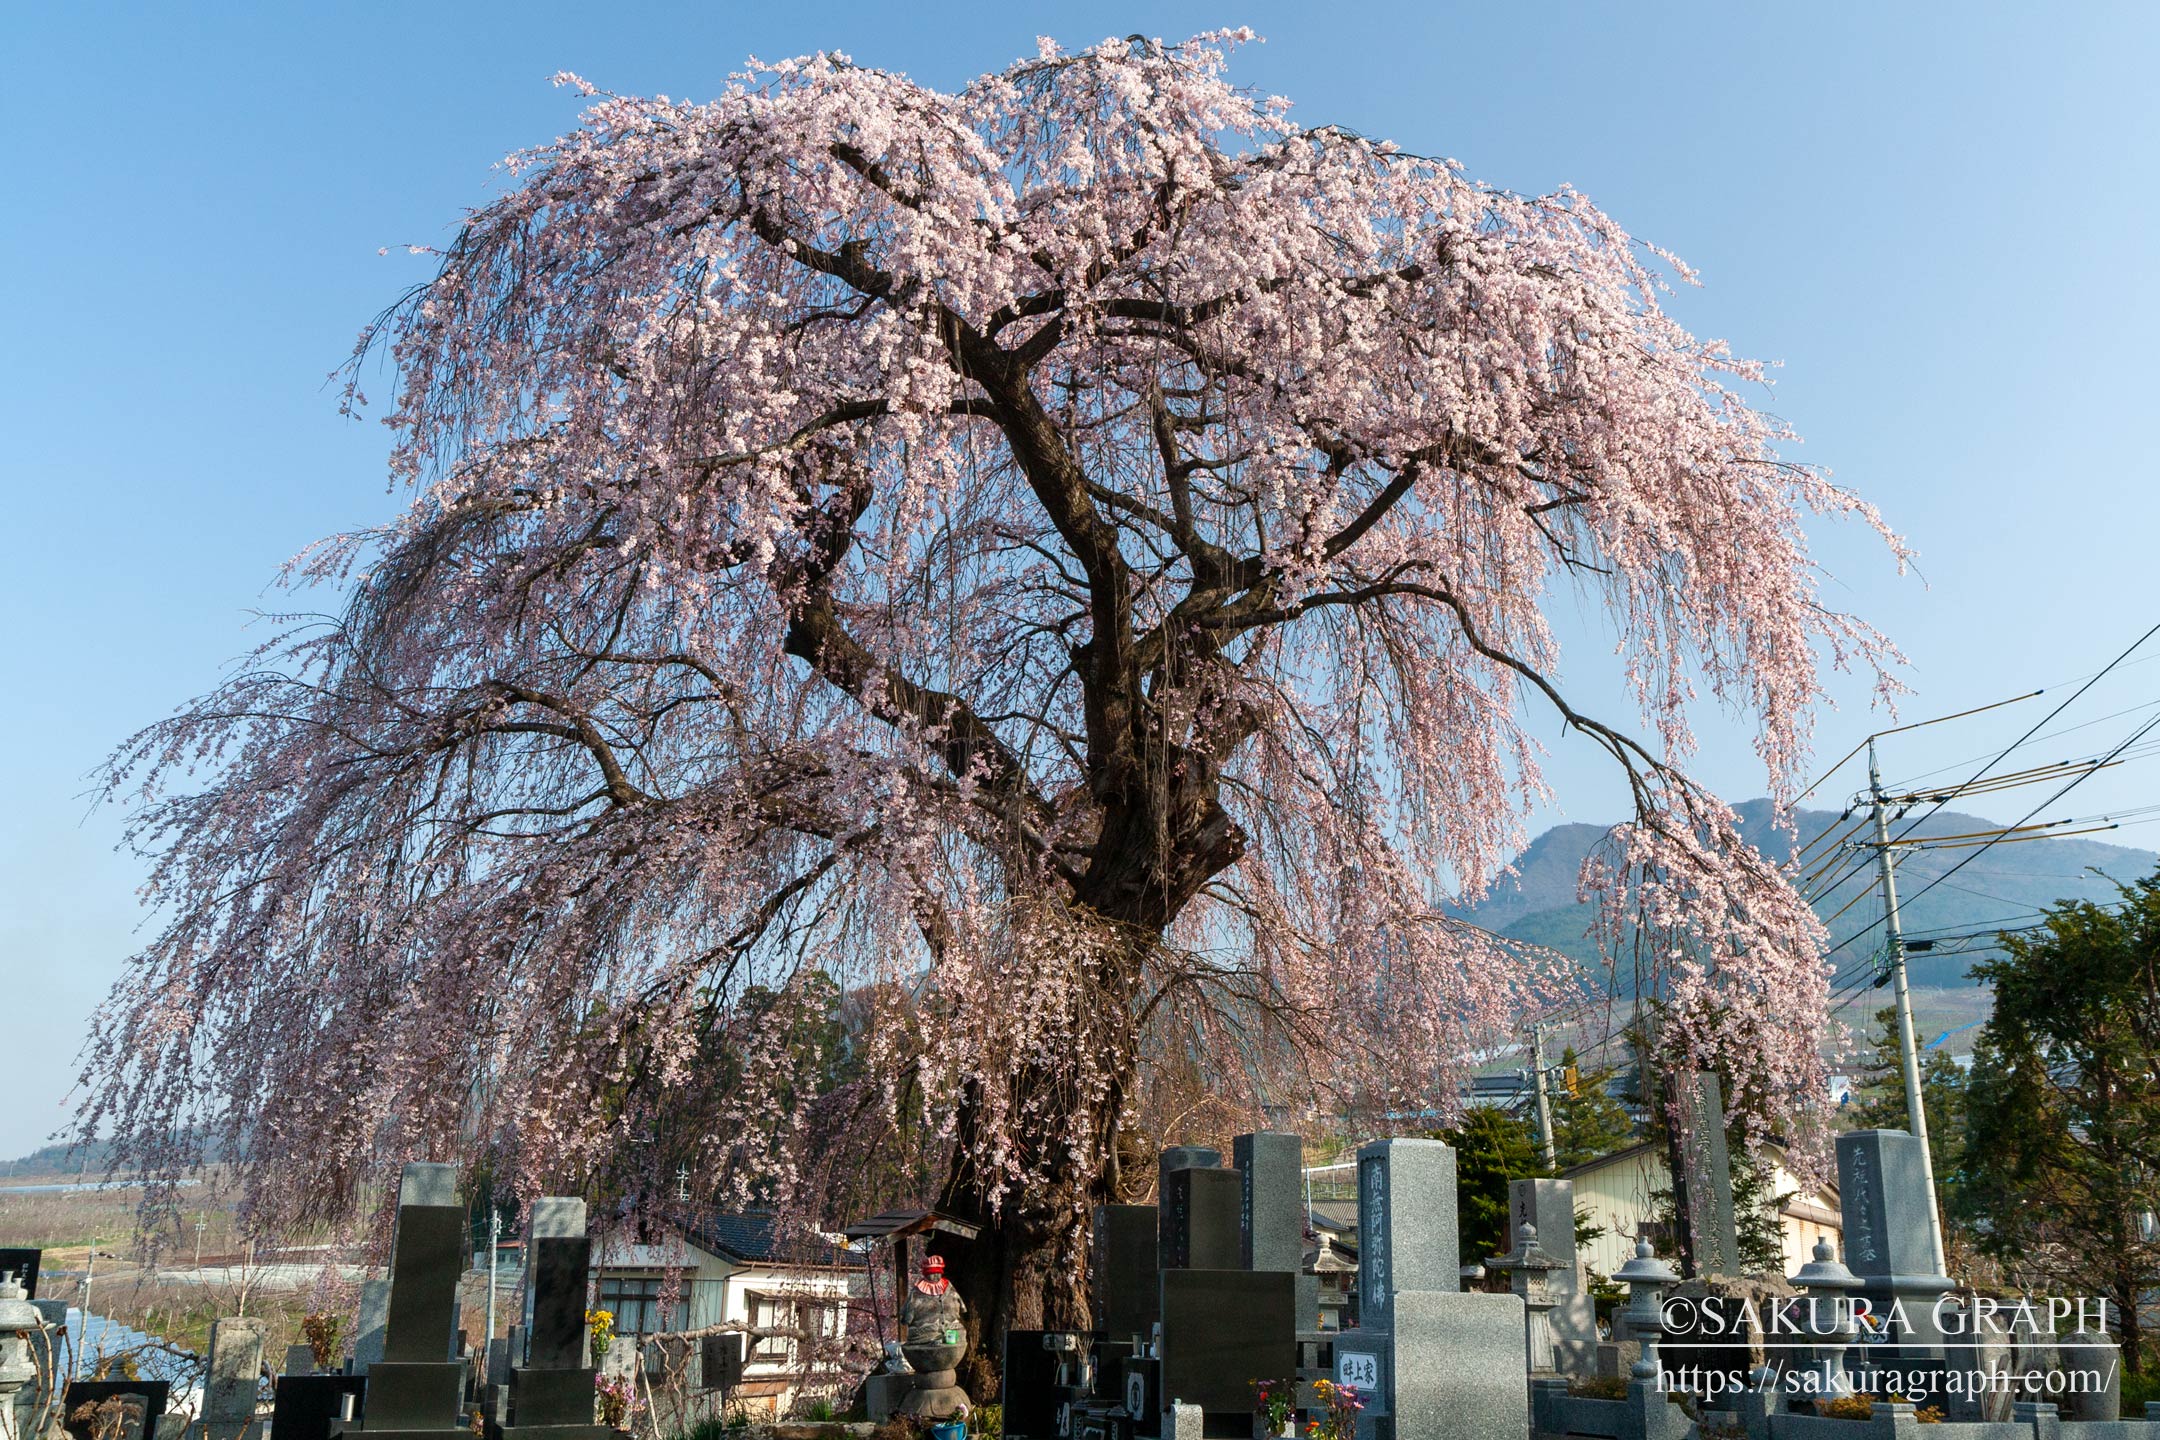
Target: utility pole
(199, 1224)
(1908, 1050)
(1544, 1104)
(494, 1248)
(82, 1345)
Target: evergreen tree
(1588, 1123)
(1492, 1148)
(2062, 1160)
(1878, 1103)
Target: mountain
(2004, 884)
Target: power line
(1900, 729)
(1984, 847)
(2004, 753)
(2066, 730)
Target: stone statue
(935, 1343)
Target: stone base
(1458, 1367)
(937, 1396)
(552, 1432)
(882, 1395)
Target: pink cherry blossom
(1066, 560)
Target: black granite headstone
(306, 1404)
(1197, 1227)
(553, 1390)
(416, 1390)
(559, 1267)
(1031, 1377)
(23, 1265)
(1141, 1378)
(426, 1264)
(1122, 1257)
(1223, 1330)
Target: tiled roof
(755, 1236)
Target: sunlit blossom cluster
(1067, 559)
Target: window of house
(792, 1313)
(634, 1300)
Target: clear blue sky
(1940, 219)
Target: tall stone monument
(1122, 1256)
(1197, 1212)
(1548, 1206)
(1223, 1326)
(1430, 1362)
(415, 1391)
(1271, 1213)
(549, 1395)
(1705, 1181)
(1890, 1249)
(231, 1384)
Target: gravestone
(1706, 1182)
(1889, 1247)
(368, 1330)
(232, 1374)
(1197, 1220)
(415, 1391)
(1030, 1381)
(1430, 1363)
(299, 1360)
(1185, 1157)
(1271, 1213)
(2093, 1362)
(1223, 1330)
(1458, 1367)
(145, 1406)
(1549, 1206)
(1406, 1225)
(23, 1265)
(550, 1395)
(306, 1406)
(1122, 1253)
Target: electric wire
(1977, 851)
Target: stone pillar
(1549, 1205)
(1432, 1363)
(1705, 1185)
(368, 1330)
(1889, 1245)
(1271, 1214)
(1122, 1256)
(234, 1373)
(1197, 1215)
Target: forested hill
(2005, 883)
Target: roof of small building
(756, 1236)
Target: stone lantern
(1646, 1277)
(19, 1320)
(1825, 1279)
(1529, 1270)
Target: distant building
(736, 1267)
(1617, 1192)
